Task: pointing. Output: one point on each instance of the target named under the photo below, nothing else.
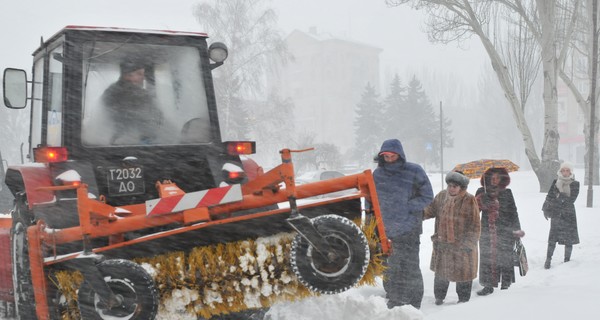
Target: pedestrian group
(465, 244)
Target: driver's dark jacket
(132, 110)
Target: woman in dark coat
(500, 228)
(457, 226)
(563, 224)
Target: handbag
(549, 208)
(520, 258)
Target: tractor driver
(132, 109)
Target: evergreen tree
(249, 29)
(396, 114)
(368, 126)
(421, 138)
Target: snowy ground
(566, 291)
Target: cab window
(140, 94)
(54, 116)
(36, 106)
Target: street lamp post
(592, 137)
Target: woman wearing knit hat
(457, 226)
(563, 224)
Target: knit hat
(567, 165)
(129, 65)
(457, 177)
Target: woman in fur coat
(563, 224)
(500, 228)
(457, 227)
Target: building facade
(325, 79)
(570, 124)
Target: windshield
(140, 94)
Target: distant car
(320, 175)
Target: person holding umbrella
(500, 228)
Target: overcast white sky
(397, 31)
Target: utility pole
(441, 145)
(592, 137)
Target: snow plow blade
(248, 251)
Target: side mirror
(14, 86)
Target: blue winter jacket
(404, 190)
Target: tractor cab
(120, 109)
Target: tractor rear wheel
(130, 283)
(22, 218)
(342, 269)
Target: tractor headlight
(217, 52)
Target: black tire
(22, 218)
(351, 246)
(131, 282)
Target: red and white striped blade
(197, 199)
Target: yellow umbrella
(475, 169)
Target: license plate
(124, 181)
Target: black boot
(549, 254)
(485, 291)
(568, 251)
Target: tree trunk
(585, 107)
(596, 161)
(550, 164)
(590, 127)
(544, 169)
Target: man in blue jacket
(404, 190)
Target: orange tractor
(99, 201)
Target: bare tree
(521, 56)
(562, 19)
(250, 31)
(307, 160)
(14, 134)
(575, 65)
(456, 20)
(272, 123)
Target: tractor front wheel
(336, 271)
(130, 283)
(22, 218)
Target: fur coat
(457, 228)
